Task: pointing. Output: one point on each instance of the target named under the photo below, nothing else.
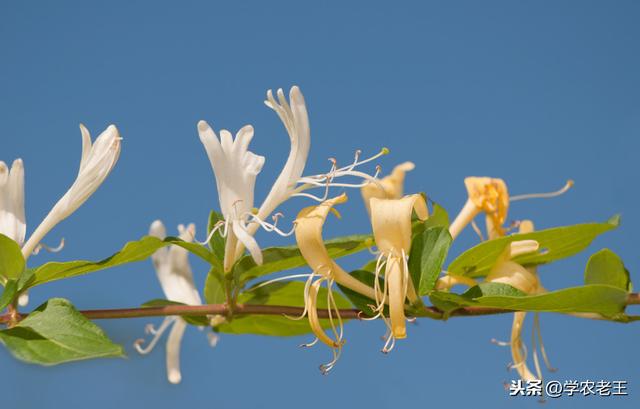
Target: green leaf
(216, 242)
(438, 217)
(55, 333)
(280, 293)
(26, 278)
(555, 243)
(278, 259)
(193, 320)
(132, 252)
(428, 252)
(606, 267)
(9, 293)
(11, 261)
(595, 298)
(214, 287)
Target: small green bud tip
(385, 151)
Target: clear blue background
(534, 92)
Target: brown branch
(242, 309)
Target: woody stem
(245, 309)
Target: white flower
(98, 159)
(296, 122)
(172, 266)
(235, 169)
(96, 163)
(176, 279)
(12, 218)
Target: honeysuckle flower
(176, 279)
(507, 271)
(97, 161)
(308, 231)
(487, 195)
(12, 217)
(235, 169)
(391, 223)
(490, 195)
(296, 121)
(389, 187)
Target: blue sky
(534, 92)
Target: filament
(476, 229)
(536, 323)
(157, 334)
(215, 228)
(270, 227)
(547, 195)
(56, 249)
(275, 280)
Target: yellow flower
(486, 195)
(490, 195)
(389, 187)
(308, 231)
(526, 280)
(391, 223)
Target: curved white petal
(12, 217)
(173, 351)
(95, 166)
(248, 241)
(295, 118)
(172, 266)
(234, 166)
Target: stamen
(275, 280)
(548, 195)
(389, 344)
(380, 296)
(536, 323)
(476, 229)
(334, 305)
(325, 368)
(536, 361)
(383, 151)
(56, 249)
(326, 180)
(268, 226)
(500, 343)
(149, 329)
(310, 344)
(405, 276)
(216, 227)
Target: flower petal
(12, 217)
(172, 266)
(389, 187)
(308, 231)
(296, 121)
(96, 166)
(173, 351)
(248, 241)
(395, 280)
(314, 321)
(391, 222)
